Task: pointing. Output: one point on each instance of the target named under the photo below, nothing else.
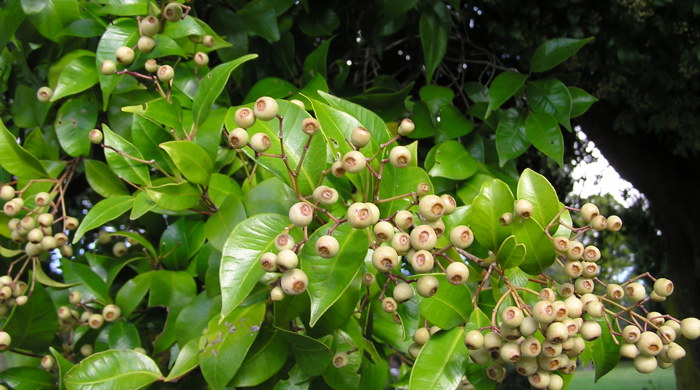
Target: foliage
(198, 263)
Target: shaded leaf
(34, 324)
(503, 87)
(511, 253)
(453, 161)
(104, 211)
(494, 199)
(539, 252)
(16, 160)
(132, 170)
(550, 96)
(441, 362)
(543, 131)
(449, 307)
(113, 369)
(511, 139)
(554, 52)
(103, 180)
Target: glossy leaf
(211, 86)
(123, 335)
(121, 32)
(186, 361)
(103, 180)
(371, 121)
(332, 276)
(194, 316)
(511, 253)
(133, 291)
(539, 251)
(240, 270)
(260, 19)
(175, 196)
(270, 196)
(453, 123)
(543, 131)
(398, 181)
(536, 188)
(63, 365)
(16, 160)
(220, 224)
(79, 75)
(433, 30)
(453, 161)
(104, 211)
(581, 101)
(181, 240)
(91, 284)
(113, 369)
(265, 358)
(136, 237)
(550, 96)
(125, 7)
(494, 199)
(311, 355)
(605, 351)
(554, 52)
(224, 344)
(11, 17)
(191, 159)
(159, 111)
(441, 362)
(45, 280)
(27, 378)
(273, 87)
(132, 170)
(436, 97)
(49, 17)
(33, 325)
(449, 307)
(511, 140)
(503, 87)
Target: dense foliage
(231, 239)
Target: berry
(400, 156)
(645, 364)
(340, 360)
(599, 223)
(119, 249)
(95, 321)
(309, 125)
(287, 259)
(48, 243)
(461, 236)
(265, 108)
(108, 67)
(414, 349)
(111, 313)
(423, 261)
(368, 279)
(284, 241)
(44, 94)
(655, 318)
(663, 287)
(528, 327)
(431, 207)
(7, 192)
(276, 294)
(512, 316)
(557, 332)
(12, 207)
(294, 281)
(590, 270)
(590, 330)
(71, 223)
(690, 327)
(208, 41)
(21, 300)
(47, 362)
(32, 249)
(589, 211)
(86, 349)
(449, 202)
(629, 351)
(510, 352)
(591, 253)
(427, 286)
(373, 212)
(614, 223)
(422, 189)
(244, 117)
(61, 239)
(172, 12)
(238, 138)
(560, 243)
(457, 273)
(359, 215)
(146, 44)
(422, 335)
(496, 372)
(385, 258)
(614, 291)
(403, 292)
(530, 347)
(474, 340)
(423, 237)
(201, 59)
(125, 55)
(301, 213)
(403, 219)
(389, 305)
(574, 250)
(354, 161)
(438, 226)
(584, 285)
(325, 195)
(505, 219)
(74, 297)
(35, 236)
(5, 340)
(543, 312)
(401, 242)
(260, 142)
(95, 136)
(150, 25)
(337, 169)
(547, 294)
(539, 379)
(635, 292)
(327, 246)
(165, 73)
(406, 127)
(666, 334)
(298, 103)
(268, 261)
(360, 137)
(523, 208)
(480, 356)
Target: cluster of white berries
(293, 280)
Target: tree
(302, 240)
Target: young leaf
(554, 52)
(104, 211)
(16, 160)
(441, 362)
(503, 87)
(494, 199)
(113, 369)
(539, 251)
(453, 161)
(191, 159)
(103, 180)
(543, 131)
(79, 75)
(511, 253)
(449, 307)
(552, 97)
(132, 170)
(536, 188)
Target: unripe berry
(492, 341)
(510, 352)
(574, 250)
(560, 311)
(649, 344)
(238, 138)
(496, 372)
(21, 300)
(265, 108)
(42, 199)
(656, 318)
(645, 364)
(539, 380)
(557, 332)
(461, 236)
(674, 352)
(400, 156)
(573, 268)
(74, 297)
(473, 340)
(401, 242)
(614, 223)
(431, 207)
(663, 287)
(63, 313)
(48, 243)
(268, 261)
(414, 349)
(294, 281)
(599, 223)
(551, 349)
(523, 208)
(614, 291)
(457, 273)
(591, 253)
(108, 67)
(666, 334)
(423, 261)
(528, 327)
(526, 366)
(287, 259)
(389, 305)
(44, 94)
(584, 285)
(61, 239)
(589, 211)
(505, 219)
(590, 330)
(438, 226)
(374, 212)
(385, 258)
(511, 316)
(35, 236)
(172, 12)
(656, 297)
(86, 349)
(403, 292)
(327, 246)
(337, 169)
(71, 223)
(12, 207)
(244, 117)
(595, 309)
(208, 41)
(423, 237)
(421, 336)
(95, 136)
(119, 249)
(635, 292)
(96, 321)
(146, 44)
(510, 334)
(340, 360)
(111, 313)
(276, 294)
(360, 137)
(530, 347)
(543, 312)
(5, 340)
(7, 192)
(310, 125)
(151, 65)
(284, 241)
(260, 142)
(631, 334)
(47, 362)
(406, 127)
(32, 249)
(359, 215)
(354, 161)
(560, 243)
(368, 279)
(690, 327)
(480, 356)
(427, 286)
(403, 219)
(630, 351)
(301, 213)
(150, 25)
(590, 270)
(165, 73)
(125, 55)
(325, 195)
(449, 202)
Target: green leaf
(33, 325)
(449, 307)
(581, 101)
(511, 140)
(441, 362)
(453, 123)
(158, 111)
(543, 131)
(191, 159)
(503, 87)
(123, 335)
(536, 188)
(554, 52)
(16, 160)
(121, 32)
(433, 30)
(181, 240)
(27, 111)
(113, 369)
(142, 204)
(397, 181)
(311, 355)
(219, 226)
(91, 285)
(79, 75)
(175, 196)
(221, 186)
(193, 317)
(240, 270)
(104, 211)
(224, 344)
(211, 86)
(260, 19)
(103, 180)
(125, 7)
(49, 17)
(539, 251)
(332, 276)
(494, 199)
(132, 170)
(453, 161)
(186, 361)
(44, 279)
(63, 366)
(265, 358)
(315, 64)
(510, 254)
(132, 293)
(436, 97)
(11, 17)
(605, 351)
(550, 96)
(174, 290)
(27, 378)
(273, 87)
(368, 119)
(270, 196)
